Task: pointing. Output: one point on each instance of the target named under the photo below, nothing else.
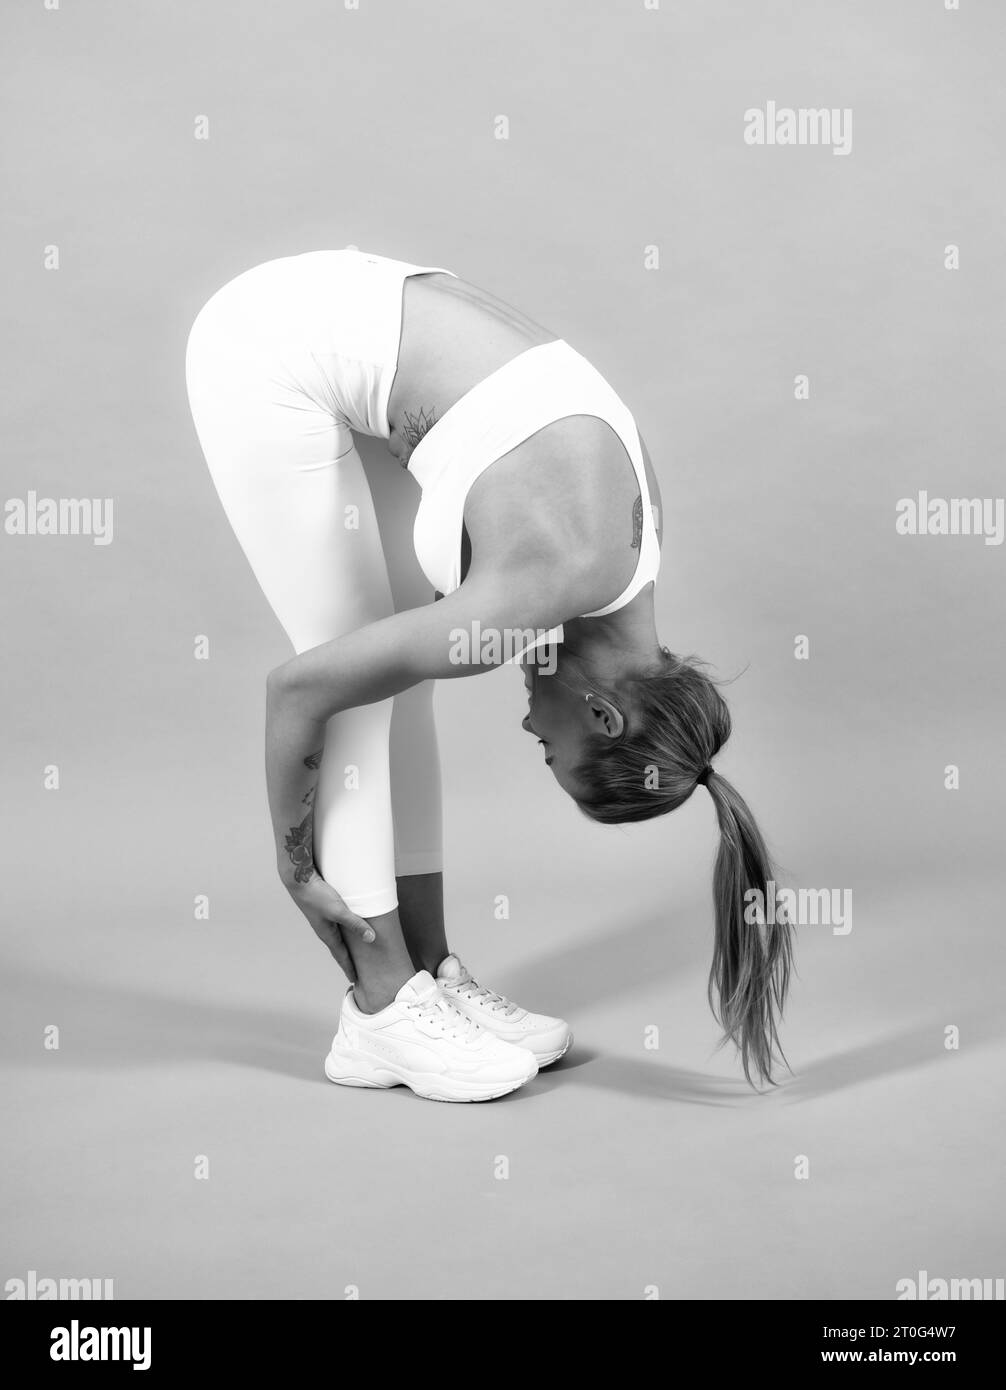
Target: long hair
(676, 721)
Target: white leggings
(277, 365)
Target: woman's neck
(614, 641)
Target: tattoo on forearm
(299, 843)
(417, 425)
(637, 522)
(300, 847)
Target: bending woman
(538, 526)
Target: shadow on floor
(603, 967)
(643, 1078)
(123, 1026)
(919, 1046)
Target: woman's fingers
(335, 909)
(331, 920)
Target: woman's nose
(525, 724)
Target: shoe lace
(446, 1016)
(495, 1003)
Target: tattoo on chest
(637, 522)
(418, 424)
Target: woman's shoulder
(560, 505)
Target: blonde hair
(676, 721)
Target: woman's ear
(605, 718)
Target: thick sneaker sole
(352, 1068)
(545, 1059)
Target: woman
(537, 522)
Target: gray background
(628, 1167)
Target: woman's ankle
(377, 993)
(382, 966)
(429, 960)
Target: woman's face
(562, 720)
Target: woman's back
(569, 486)
(454, 335)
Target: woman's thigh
(293, 487)
(297, 498)
(396, 500)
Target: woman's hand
(330, 918)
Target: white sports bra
(534, 389)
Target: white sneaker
(548, 1038)
(424, 1041)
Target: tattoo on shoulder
(313, 760)
(417, 425)
(637, 522)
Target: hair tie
(703, 778)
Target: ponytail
(676, 720)
(753, 948)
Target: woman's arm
(291, 777)
(534, 588)
(444, 639)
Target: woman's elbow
(278, 682)
(294, 688)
